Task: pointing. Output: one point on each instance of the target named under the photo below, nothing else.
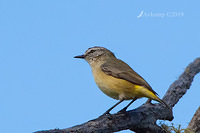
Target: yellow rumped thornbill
(116, 78)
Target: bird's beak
(80, 56)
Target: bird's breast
(113, 87)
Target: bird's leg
(124, 109)
(148, 101)
(107, 112)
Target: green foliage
(173, 129)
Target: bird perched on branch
(116, 78)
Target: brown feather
(119, 69)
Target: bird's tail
(161, 101)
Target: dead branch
(195, 122)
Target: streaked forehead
(94, 49)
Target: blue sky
(43, 87)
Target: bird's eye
(92, 51)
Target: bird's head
(96, 54)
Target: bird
(116, 78)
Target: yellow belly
(119, 88)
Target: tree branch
(195, 122)
(143, 118)
(182, 84)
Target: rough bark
(194, 124)
(142, 119)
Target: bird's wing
(120, 69)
